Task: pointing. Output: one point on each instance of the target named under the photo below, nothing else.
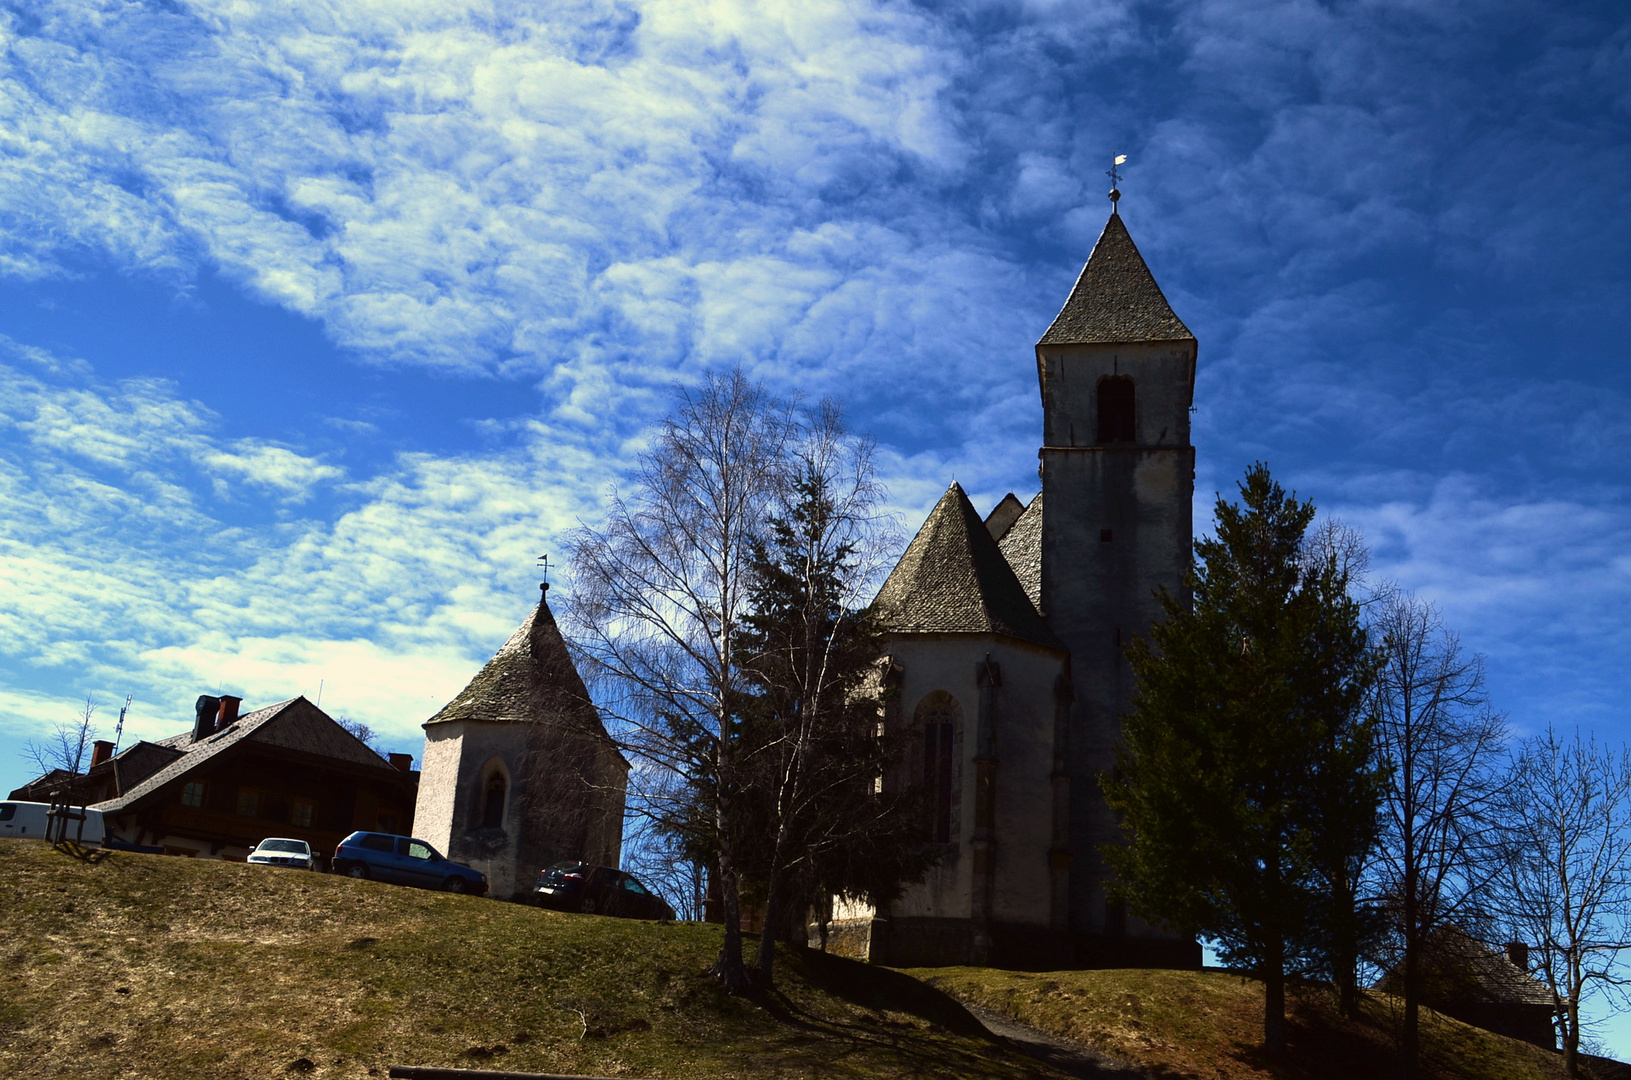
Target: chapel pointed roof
(531, 678)
(1116, 298)
(954, 579)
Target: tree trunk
(1274, 1002)
(765, 962)
(729, 968)
(1571, 1040)
(1410, 1038)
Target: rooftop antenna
(119, 728)
(1115, 180)
(543, 561)
(319, 693)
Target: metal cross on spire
(1115, 180)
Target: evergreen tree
(810, 726)
(1245, 775)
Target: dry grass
(153, 967)
(1208, 1025)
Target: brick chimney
(402, 761)
(229, 712)
(1518, 953)
(101, 750)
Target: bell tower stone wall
(1118, 490)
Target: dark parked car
(597, 890)
(405, 861)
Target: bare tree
(61, 754)
(1567, 878)
(660, 595)
(1437, 855)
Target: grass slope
(154, 967)
(1209, 1024)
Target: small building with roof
(1006, 640)
(215, 791)
(1479, 984)
(518, 770)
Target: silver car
(281, 851)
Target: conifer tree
(810, 724)
(1245, 775)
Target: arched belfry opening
(941, 719)
(1118, 411)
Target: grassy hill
(153, 967)
(1208, 1024)
(147, 966)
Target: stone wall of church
(998, 876)
(1117, 526)
(460, 758)
(562, 798)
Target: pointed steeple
(1115, 299)
(532, 678)
(954, 579)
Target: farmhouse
(285, 770)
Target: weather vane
(1115, 180)
(543, 561)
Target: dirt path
(1062, 1054)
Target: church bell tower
(1117, 371)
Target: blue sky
(321, 321)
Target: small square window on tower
(1106, 535)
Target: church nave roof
(954, 579)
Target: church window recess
(1117, 411)
(939, 718)
(492, 805)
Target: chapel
(518, 771)
(1005, 648)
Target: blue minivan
(404, 861)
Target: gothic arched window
(939, 716)
(492, 806)
(1117, 415)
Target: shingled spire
(954, 579)
(1115, 299)
(531, 678)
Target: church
(1005, 648)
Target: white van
(29, 819)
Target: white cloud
(130, 563)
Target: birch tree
(660, 593)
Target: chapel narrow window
(1117, 414)
(938, 717)
(492, 815)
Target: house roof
(1021, 545)
(954, 579)
(295, 724)
(1456, 965)
(530, 679)
(1115, 298)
